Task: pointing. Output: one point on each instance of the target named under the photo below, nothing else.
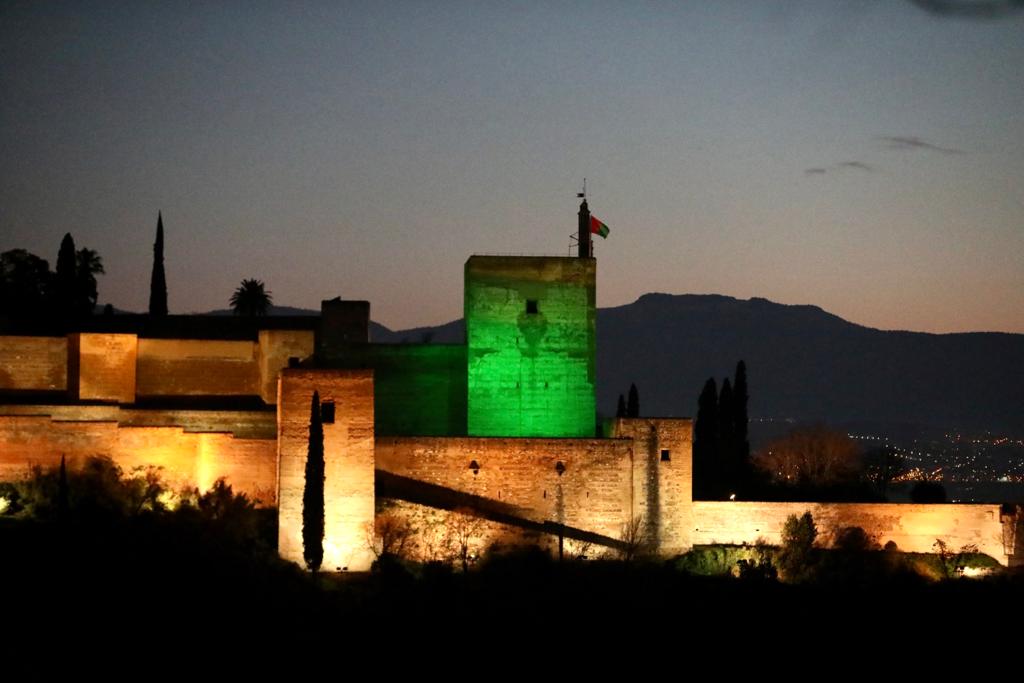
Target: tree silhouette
(726, 439)
(705, 443)
(251, 298)
(811, 457)
(24, 279)
(88, 266)
(157, 281)
(65, 280)
(313, 491)
(620, 411)
(633, 403)
(740, 421)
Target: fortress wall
(192, 367)
(348, 455)
(662, 488)
(34, 363)
(244, 424)
(101, 367)
(186, 459)
(418, 389)
(519, 476)
(272, 354)
(913, 528)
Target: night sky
(865, 157)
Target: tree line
(31, 292)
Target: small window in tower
(531, 306)
(665, 455)
(327, 412)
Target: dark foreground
(191, 597)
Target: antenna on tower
(583, 195)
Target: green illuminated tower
(530, 336)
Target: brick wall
(33, 363)
(662, 478)
(186, 459)
(520, 478)
(913, 528)
(102, 366)
(193, 367)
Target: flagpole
(584, 250)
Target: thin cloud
(821, 170)
(911, 143)
(970, 9)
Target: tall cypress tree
(705, 441)
(726, 465)
(633, 403)
(65, 280)
(157, 282)
(620, 411)
(741, 438)
(313, 492)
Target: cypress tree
(313, 492)
(157, 281)
(633, 404)
(65, 280)
(740, 420)
(620, 411)
(725, 458)
(705, 441)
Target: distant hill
(802, 363)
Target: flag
(598, 228)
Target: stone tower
(530, 336)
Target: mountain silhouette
(803, 363)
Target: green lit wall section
(530, 334)
(418, 389)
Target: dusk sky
(865, 157)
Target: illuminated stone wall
(274, 350)
(530, 373)
(101, 367)
(418, 389)
(913, 528)
(348, 455)
(245, 424)
(34, 363)
(519, 478)
(662, 477)
(197, 367)
(185, 458)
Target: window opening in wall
(560, 468)
(665, 455)
(327, 412)
(475, 466)
(531, 306)
(545, 493)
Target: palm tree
(89, 265)
(250, 298)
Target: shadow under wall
(388, 485)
